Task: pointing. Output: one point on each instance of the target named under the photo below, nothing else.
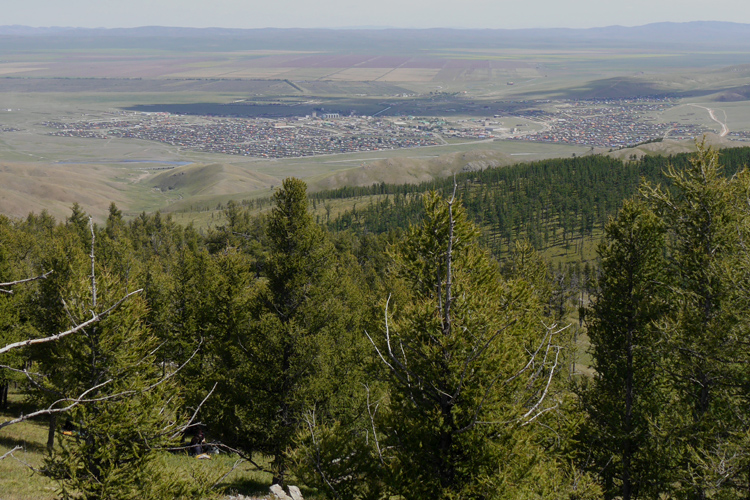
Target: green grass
(19, 482)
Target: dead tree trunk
(51, 432)
(4, 395)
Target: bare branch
(70, 314)
(449, 263)
(546, 388)
(372, 422)
(18, 370)
(94, 319)
(25, 464)
(172, 374)
(311, 426)
(236, 464)
(239, 453)
(478, 350)
(391, 356)
(82, 399)
(18, 282)
(195, 413)
(51, 410)
(93, 273)
(545, 343)
(542, 412)
(10, 453)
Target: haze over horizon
(473, 14)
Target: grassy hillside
(454, 74)
(215, 179)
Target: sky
(370, 13)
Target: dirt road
(724, 128)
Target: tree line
(549, 203)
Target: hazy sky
(376, 13)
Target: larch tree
(704, 332)
(627, 390)
(127, 412)
(469, 364)
(294, 353)
(120, 407)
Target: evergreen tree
(12, 328)
(704, 330)
(627, 391)
(124, 410)
(293, 357)
(455, 352)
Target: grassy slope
(19, 482)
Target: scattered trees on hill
(549, 203)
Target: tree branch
(372, 422)
(94, 319)
(449, 263)
(50, 410)
(311, 427)
(10, 453)
(18, 282)
(93, 273)
(195, 413)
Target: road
(724, 128)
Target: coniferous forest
(417, 346)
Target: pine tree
(127, 412)
(294, 358)
(120, 406)
(12, 328)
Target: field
(460, 77)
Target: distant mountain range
(688, 35)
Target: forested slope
(407, 363)
(550, 203)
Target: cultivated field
(446, 76)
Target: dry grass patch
(9, 69)
(358, 74)
(409, 75)
(28, 188)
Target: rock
(279, 492)
(296, 493)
